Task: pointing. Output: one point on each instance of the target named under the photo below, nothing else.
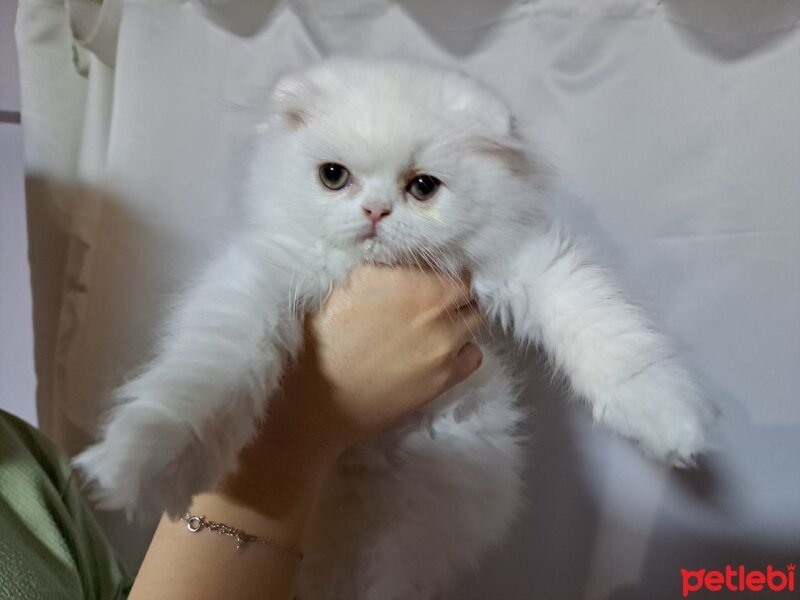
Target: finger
(467, 323)
(364, 283)
(468, 303)
(365, 276)
(435, 290)
(465, 363)
(459, 290)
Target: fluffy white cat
(395, 163)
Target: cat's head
(393, 161)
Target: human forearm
(180, 564)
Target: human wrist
(274, 486)
(278, 478)
(284, 533)
(276, 501)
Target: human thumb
(465, 363)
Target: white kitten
(396, 163)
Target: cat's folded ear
(291, 98)
(463, 94)
(497, 137)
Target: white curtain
(674, 126)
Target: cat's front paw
(663, 411)
(148, 461)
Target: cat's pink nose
(376, 211)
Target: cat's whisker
(416, 258)
(439, 265)
(297, 294)
(292, 296)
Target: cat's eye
(423, 187)
(334, 176)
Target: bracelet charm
(196, 523)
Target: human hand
(386, 342)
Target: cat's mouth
(370, 232)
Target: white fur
(403, 512)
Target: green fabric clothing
(50, 545)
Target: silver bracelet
(195, 523)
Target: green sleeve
(50, 545)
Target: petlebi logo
(740, 579)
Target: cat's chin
(377, 249)
(373, 249)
